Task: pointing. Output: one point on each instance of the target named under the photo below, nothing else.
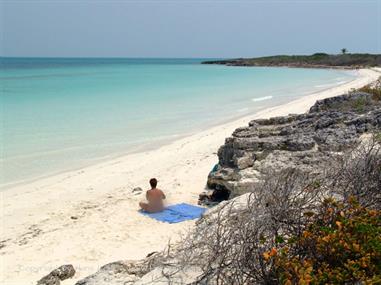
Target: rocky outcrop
(122, 272)
(301, 141)
(61, 273)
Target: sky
(180, 28)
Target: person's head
(153, 182)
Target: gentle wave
(325, 85)
(331, 84)
(262, 98)
(341, 82)
(243, 110)
(64, 150)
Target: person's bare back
(154, 197)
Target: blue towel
(214, 169)
(177, 213)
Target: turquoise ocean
(62, 114)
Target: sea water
(62, 114)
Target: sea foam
(262, 98)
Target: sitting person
(154, 197)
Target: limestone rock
(137, 191)
(61, 273)
(303, 141)
(122, 272)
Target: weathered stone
(244, 161)
(61, 273)
(299, 144)
(331, 125)
(137, 190)
(347, 101)
(123, 272)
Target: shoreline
(39, 231)
(154, 145)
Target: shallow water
(61, 114)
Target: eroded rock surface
(303, 141)
(61, 273)
(122, 272)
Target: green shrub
(341, 245)
(359, 104)
(374, 89)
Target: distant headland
(316, 60)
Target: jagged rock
(61, 273)
(137, 191)
(244, 161)
(331, 125)
(122, 272)
(343, 102)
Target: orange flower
(372, 213)
(266, 255)
(306, 234)
(326, 238)
(273, 251)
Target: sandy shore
(89, 217)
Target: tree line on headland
(316, 60)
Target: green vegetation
(359, 104)
(341, 245)
(295, 228)
(374, 89)
(344, 60)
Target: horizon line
(110, 57)
(153, 57)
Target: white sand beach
(89, 217)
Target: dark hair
(153, 182)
